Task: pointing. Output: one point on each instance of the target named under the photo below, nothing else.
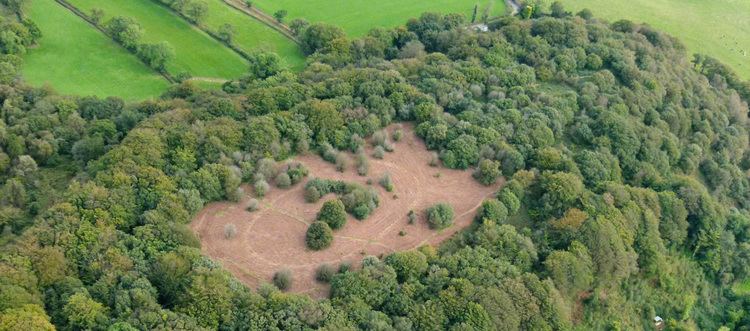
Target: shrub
(397, 134)
(333, 213)
(283, 279)
(253, 205)
(386, 182)
(261, 188)
(434, 159)
(325, 273)
(319, 236)
(440, 216)
(412, 216)
(380, 138)
(296, 172)
(342, 162)
(363, 164)
(283, 180)
(345, 266)
(265, 169)
(312, 194)
(329, 153)
(379, 152)
(229, 231)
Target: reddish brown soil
(273, 237)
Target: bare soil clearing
(273, 237)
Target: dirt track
(272, 238)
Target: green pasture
(251, 35)
(357, 17)
(75, 58)
(196, 52)
(719, 28)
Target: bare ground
(273, 237)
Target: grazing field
(719, 28)
(251, 35)
(75, 58)
(196, 52)
(357, 17)
(273, 237)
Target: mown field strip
(75, 58)
(196, 52)
(719, 28)
(357, 17)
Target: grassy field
(357, 17)
(196, 52)
(75, 58)
(251, 34)
(720, 28)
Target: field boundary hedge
(82, 15)
(263, 18)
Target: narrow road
(515, 7)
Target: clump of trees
(358, 200)
(128, 32)
(439, 216)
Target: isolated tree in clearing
(440, 216)
(319, 236)
(333, 213)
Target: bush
(397, 134)
(261, 188)
(345, 267)
(312, 194)
(434, 159)
(363, 164)
(386, 182)
(283, 180)
(333, 213)
(319, 236)
(296, 172)
(229, 231)
(380, 138)
(342, 162)
(379, 152)
(412, 217)
(283, 279)
(440, 216)
(325, 273)
(253, 205)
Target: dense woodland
(627, 189)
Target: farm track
(88, 20)
(263, 18)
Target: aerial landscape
(358, 165)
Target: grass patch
(251, 35)
(718, 28)
(75, 58)
(196, 52)
(357, 17)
